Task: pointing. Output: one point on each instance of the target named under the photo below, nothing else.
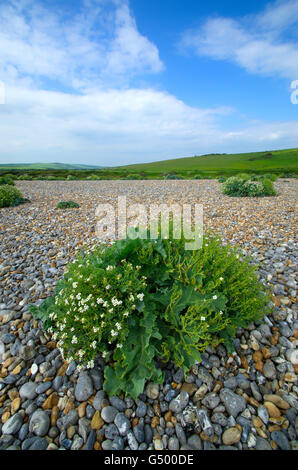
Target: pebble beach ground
(244, 401)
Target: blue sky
(111, 82)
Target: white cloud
(123, 126)
(256, 43)
(96, 46)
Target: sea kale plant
(67, 205)
(142, 303)
(243, 186)
(10, 196)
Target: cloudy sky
(111, 82)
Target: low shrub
(6, 180)
(142, 303)
(267, 176)
(93, 177)
(241, 187)
(222, 179)
(244, 176)
(72, 178)
(25, 177)
(67, 205)
(174, 177)
(131, 177)
(10, 196)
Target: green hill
(276, 160)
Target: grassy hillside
(277, 160)
(45, 166)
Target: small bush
(222, 179)
(6, 180)
(267, 176)
(25, 177)
(131, 177)
(10, 196)
(241, 187)
(71, 178)
(93, 177)
(67, 205)
(174, 177)
(244, 176)
(143, 303)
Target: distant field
(278, 160)
(45, 166)
(281, 162)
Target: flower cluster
(92, 307)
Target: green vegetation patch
(11, 196)
(142, 303)
(6, 180)
(243, 186)
(67, 205)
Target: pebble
(84, 387)
(39, 423)
(122, 423)
(28, 390)
(12, 425)
(179, 403)
(152, 391)
(231, 436)
(233, 403)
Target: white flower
(140, 297)
(95, 329)
(109, 268)
(114, 333)
(221, 278)
(93, 344)
(221, 313)
(74, 285)
(99, 301)
(74, 340)
(120, 346)
(118, 326)
(203, 318)
(214, 297)
(108, 287)
(126, 314)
